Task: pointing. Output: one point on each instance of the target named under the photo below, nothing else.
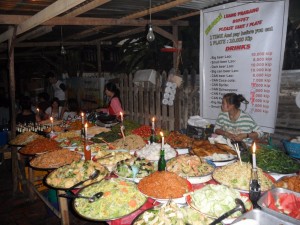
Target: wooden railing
(144, 101)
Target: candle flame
(161, 134)
(153, 119)
(51, 119)
(85, 125)
(82, 114)
(37, 109)
(254, 148)
(121, 113)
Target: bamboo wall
(144, 101)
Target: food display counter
(193, 161)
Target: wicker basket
(292, 148)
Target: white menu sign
(241, 51)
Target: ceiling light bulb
(63, 50)
(150, 35)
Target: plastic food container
(275, 193)
(292, 148)
(259, 217)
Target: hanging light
(150, 35)
(62, 48)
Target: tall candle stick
(153, 123)
(82, 118)
(253, 156)
(51, 119)
(85, 131)
(162, 140)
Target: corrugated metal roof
(114, 9)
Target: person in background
(114, 102)
(42, 105)
(72, 109)
(235, 124)
(55, 110)
(26, 115)
(59, 88)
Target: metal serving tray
(262, 218)
(275, 192)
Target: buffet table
(59, 155)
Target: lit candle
(82, 118)
(38, 110)
(162, 140)
(121, 115)
(153, 123)
(51, 119)
(253, 156)
(85, 130)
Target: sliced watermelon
(270, 199)
(289, 204)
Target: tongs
(109, 155)
(91, 177)
(239, 207)
(108, 144)
(91, 199)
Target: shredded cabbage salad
(215, 200)
(168, 214)
(120, 198)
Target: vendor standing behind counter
(114, 104)
(235, 124)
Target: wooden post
(99, 59)
(64, 210)
(12, 94)
(175, 45)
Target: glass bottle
(162, 161)
(152, 137)
(87, 151)
(255, 191)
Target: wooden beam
(185, 16)
(51, 44)
(165, 34)
(76, 12)
(155, 9)
(122, 34)
(87, 21)
(49, 12)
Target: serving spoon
(91, 199)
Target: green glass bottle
(162, 161)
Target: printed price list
(261, 70)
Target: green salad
(271, 159)
(145, 167)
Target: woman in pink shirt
(114, 104)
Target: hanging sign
(241, 51)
